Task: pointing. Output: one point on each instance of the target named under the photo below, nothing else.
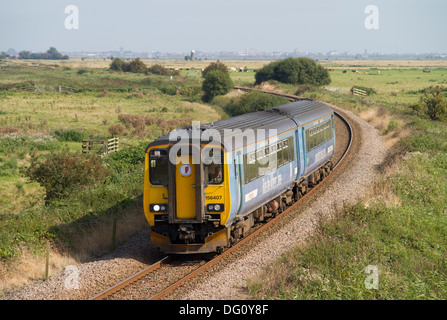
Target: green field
(138, 108)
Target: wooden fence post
(47, 262)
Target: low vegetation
(398, 229)
(252, 101)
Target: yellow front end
(214, 217)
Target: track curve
(202, 266)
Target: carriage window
(318, 135)
(291, 149)
(158, 167)
(250, 169)
(279, 153)
(285, 151)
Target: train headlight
(158, 207)
(215, 207)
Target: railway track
(169, 262)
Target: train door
(237, 162)
(298, 147)
(186, 194)
(185, 183)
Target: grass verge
(390, 245)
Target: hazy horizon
(412, 26)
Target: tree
(216, 83)
(434, 103)
(117, 64)
(51, 54)
(266, 73)
(24, 54)
(137, 66)
(294, 71)
(54, 54)
(215, 66)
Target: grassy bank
(45, 123)
(392, 244)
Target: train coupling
(186, 233)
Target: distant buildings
(248, 53)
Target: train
(207, 185)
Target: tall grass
(399, 230)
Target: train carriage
(206, 185)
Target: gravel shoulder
(227, 280)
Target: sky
(394, 26)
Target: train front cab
(187, 202)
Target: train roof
(274, 121)
(303, 111)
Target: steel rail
(131, 279)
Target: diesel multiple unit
(205, 186)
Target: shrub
(163, 71)
(135, 66)
(116, 129)
(70, 135)
(215, 66)
(266, 73)
(294, 71)
(117, 64)
(61, 173)
(434, 103)
(216, 83)
(253, 101)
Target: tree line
(138, 66)
(51, 54)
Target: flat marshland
(400, 227)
